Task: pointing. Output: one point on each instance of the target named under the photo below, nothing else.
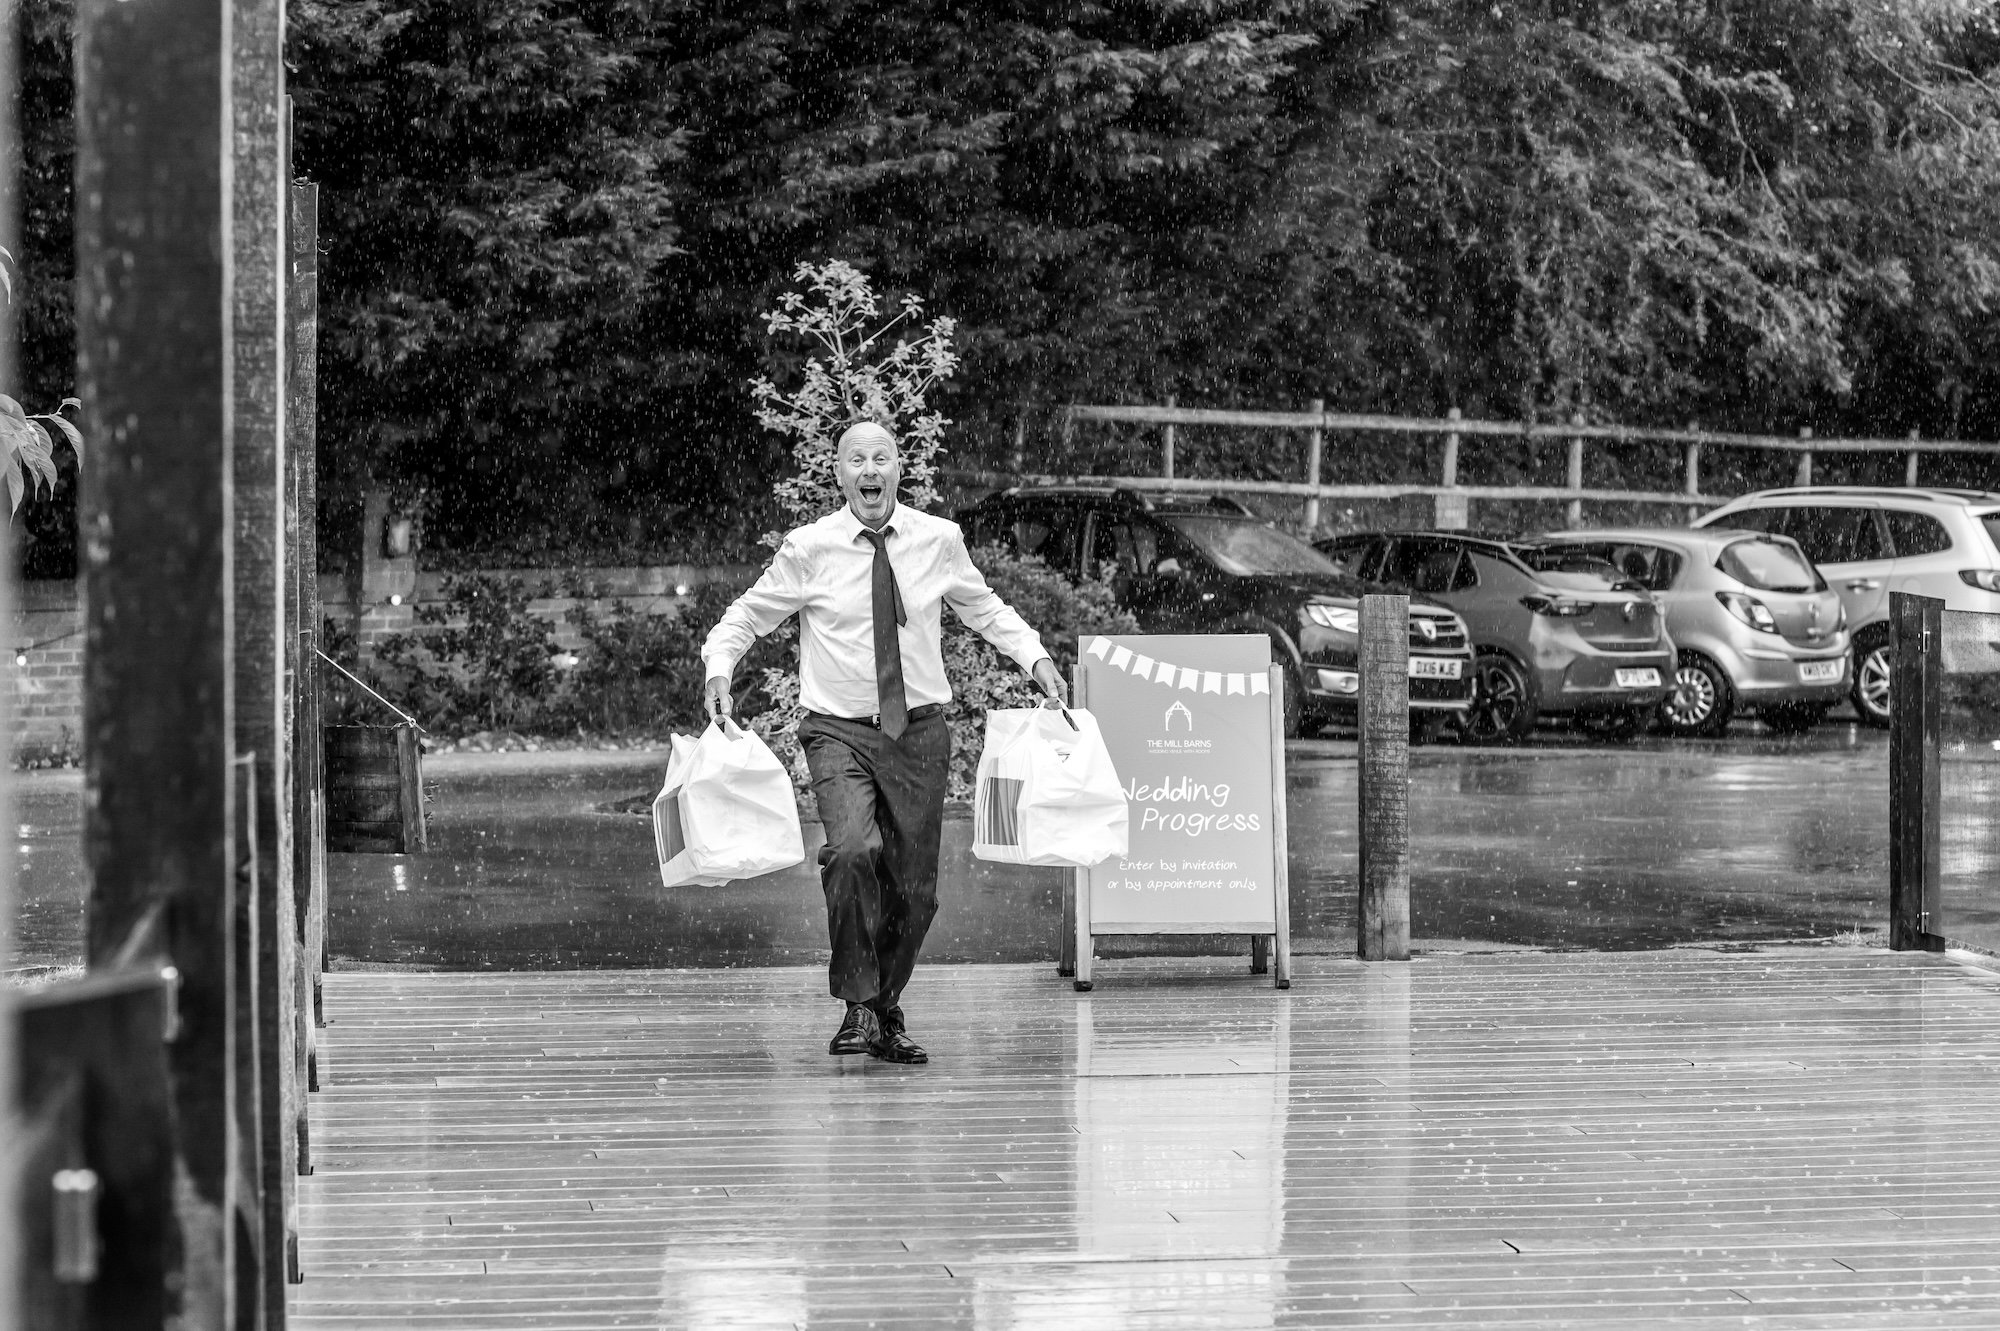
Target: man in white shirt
(869, 583)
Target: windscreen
(1768, 565)
(1249, 548)
(1565, 568)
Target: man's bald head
(868, 466)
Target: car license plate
(1648, 678)
(1435, 667)
(1819, 672)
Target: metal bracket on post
(1915, 780)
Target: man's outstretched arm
(776, 595)
(982, 611)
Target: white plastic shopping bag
(1047, 793)
(726, 811)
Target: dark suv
(1196, 564)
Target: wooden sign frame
(1076, 960)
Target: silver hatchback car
(1756, 626)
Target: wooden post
(1281, 865)
(1167, 444)
(12, 1240)
(1315, 443)
(1082, 952)
(263, 640)
(1573, 476)
(1804, 476)
(309, 769)
(1451, 512)
(1910, 462)
(1384, 933)
(153, 311)
(1692, 485)
(1916, 830)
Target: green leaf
(69, 432)
(40, 453)
(15, 486)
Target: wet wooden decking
(1804, 1138)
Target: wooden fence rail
(1455, 429)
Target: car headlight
(1750, 610)
(1339, 618)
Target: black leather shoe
(859, 1033)
(895, 1045)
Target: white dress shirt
(824, 573)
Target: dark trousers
(882, 802)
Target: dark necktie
(887, 601)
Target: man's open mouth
(871, 491)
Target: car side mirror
(1167, 568)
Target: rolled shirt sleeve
(980, 608)
(776, 595)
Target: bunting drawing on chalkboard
(1173, 676)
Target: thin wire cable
(407, 718)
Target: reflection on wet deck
(1800, 1138)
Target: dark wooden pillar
(10, 1124)
(309, 767)
(1385, 779)
(153, 309)
(1915, 815)
(263, 638)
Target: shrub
(484, 664)
(641, 673)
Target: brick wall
(46, 657)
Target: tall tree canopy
(550, 225)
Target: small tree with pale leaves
(854, 375)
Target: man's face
(868, 471)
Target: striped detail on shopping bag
(1000, 821)
(672, 839)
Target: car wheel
(1503, 702)
(1874, 663)
(1701, 702)
(1792, 718)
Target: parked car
(1556, 631)
(1755, 626)
(1210, 565)
(1872, 541)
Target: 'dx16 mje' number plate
(1435, 667)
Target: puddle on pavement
(534, 865)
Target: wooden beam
(1331, 420)
(1000, 480)
(1384, 781)
(1916, 829)
(153, 313)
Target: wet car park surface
(1566, 842)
